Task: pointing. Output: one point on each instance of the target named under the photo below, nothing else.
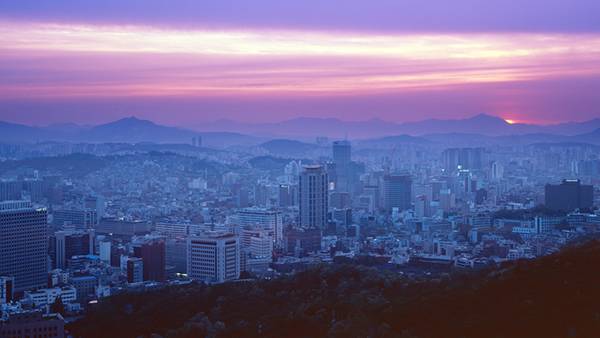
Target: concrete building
(569, 195)
(72, 243)
(47, 296)
(23, 244)
(262, 218)
(33, 324)
(152, 252)
(135, 269)
(85, 287)
(342, 158)
(75, 219)
(313, 197)
(397, 191)
(214, 257)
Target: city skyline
(188, 64)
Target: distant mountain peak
(487, 117)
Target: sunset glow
(230, 67)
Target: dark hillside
(556, 296)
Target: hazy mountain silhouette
(288, 148)
(484, 129)
(13, 132)
(126, 130)
(310, 127)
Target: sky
(187, 63)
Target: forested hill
(556, 296)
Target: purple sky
(188, 62)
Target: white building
(105, 251)
(213, 257)
(44, 297)
(263, 218)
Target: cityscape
(189, 171)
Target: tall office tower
(462, 158)
(152, 252)
(24, 244)
(342, 160)
(422, 208)
(135, 270)
(213, 257)
(397, 191)
(95, 203)
(176, 255)
(569, 195)
(72, 243)
(10, 190)
(285, 196)
(496, 171)
(75, 219)
(34, 188)
(105, 247)
(263, 219)
(313, 197)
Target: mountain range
(480, 129)
(126, 130)
(305, 127)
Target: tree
(58, 306)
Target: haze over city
(267, 168)
(265, 61)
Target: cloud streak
(73, 64)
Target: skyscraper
(135, 270)
(569, 195)
(313, 197)
(23, 244)
(397, 190)
(342, 159)
(152, 252)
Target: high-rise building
(105, 248)
(262, 218)
(422, 208)
(313, 197)
(152, 251)
(10, 190)
(213, 257)
(72, 243)
(342, 157)
(176, 255)
(569, 195)
(135, 270)
(496, 171)
(24, 244)
(462, 158)
(397, 190)
(95, 203)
